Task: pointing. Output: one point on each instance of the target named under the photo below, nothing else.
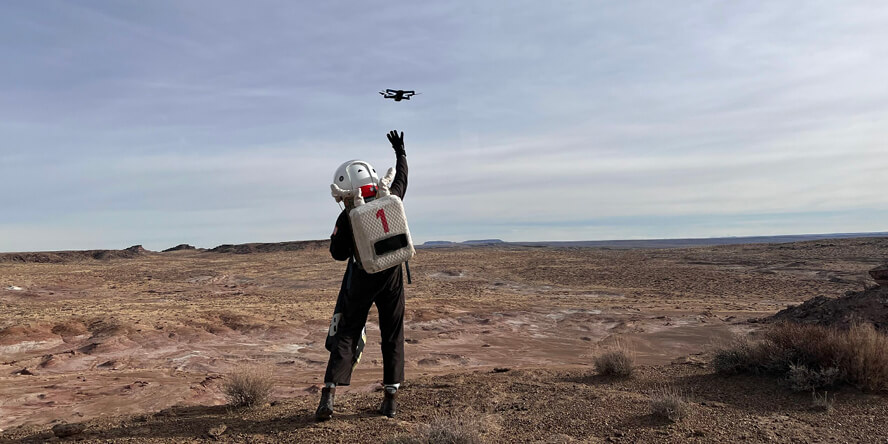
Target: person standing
(360, 290)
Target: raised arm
(399, 185)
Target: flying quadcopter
(398, 94)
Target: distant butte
(179, 247)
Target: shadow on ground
(187, 423)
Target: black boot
(325, 407)
(389, 405)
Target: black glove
(397, 142)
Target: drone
(398, 94)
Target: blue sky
(209, 122)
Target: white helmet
(357, 174)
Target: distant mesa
(136, 249)
(271, 247)
(131, 252)
(484, 241)
(179, 247)
(56, 257)
(468, 243)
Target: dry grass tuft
(248, 386)
(823, 403)
(812, 356)
(668, 403)
(446, 430)
(617, 361)
(865, 357)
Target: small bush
(248, 387)
(746, 356)
(812, 356)
(823, 403)
(734, 358)
(865, 357)
(445, 430)
(803, 379)
(669, 404)
(616, 362)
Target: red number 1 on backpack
(381, 215)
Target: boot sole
(383, 413)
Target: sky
(211, 122)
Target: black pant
(345, 340)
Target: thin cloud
(207, 123)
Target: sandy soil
(539, 405)
(94, 339)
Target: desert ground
(136, 346)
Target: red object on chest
(368, 191)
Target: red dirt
(139, 335)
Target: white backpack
(379, 227)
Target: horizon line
(811, 236)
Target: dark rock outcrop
(880, 275)
(869, 306)
(179, 247)
(74, 256)
(65, 430)
(271, 247)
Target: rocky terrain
(136, 347)
(868, 306)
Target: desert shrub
(865, 357)
(248, 386)
(668, 403)
(802, 379)
(744, 355)
(617, 361)
(812, 356)
(823, 403)
(740, 356)
(445, 430)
